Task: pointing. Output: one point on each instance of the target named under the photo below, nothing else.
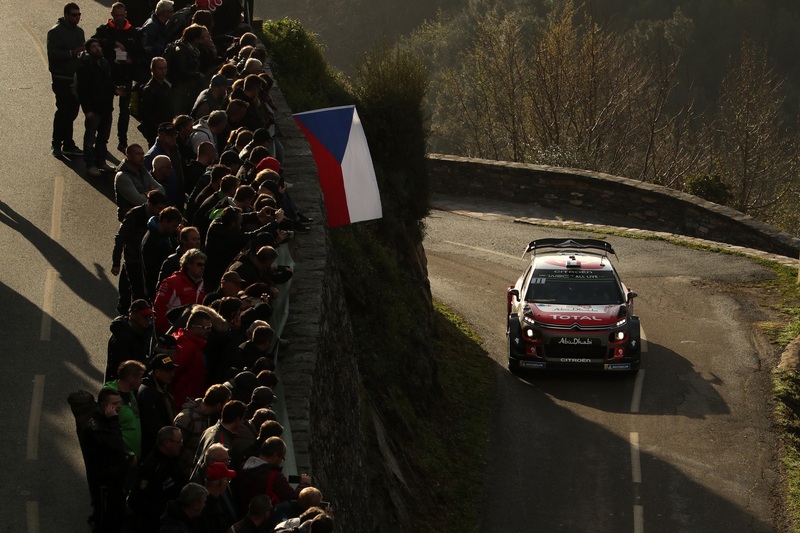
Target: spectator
(154, 30)
(190, 376)
(156, 100)
(130, 374)
(203, 214)
(184, 73)
(65, 42)
(257, 153)
(127, 244)
(223, 432)
(262, 398)
(199, 166)
(189, 238)
(130, 337)
(95, 88)
(226, 238)
(292, 511)
(156, 405)
(107, 462)
(159, 479)
(219, 513)
(122, 47)
(212, 98)
(259, 345)
(167, 145)
(158, 243)
(184, 287)
(195, 417)
(181, 513)
(263, 475)
(183, 126)
(132, 181)
(258, 515)
(230, 285)
(208, 185)
(209, 129)
(216, 453)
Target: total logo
(577, 317)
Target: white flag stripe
(360, 182)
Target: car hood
(564, 315)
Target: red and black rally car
(569, 310)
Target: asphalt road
(57, 293)
(685, 446)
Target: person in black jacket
(130, 337)
(181, 513)
(65, 42)
(155, 106)
(107, 464)
(157, 244)
(160, 479)
(155, 401)
(127, 244)
(96, 91)
(121, 42)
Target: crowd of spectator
(181, 436)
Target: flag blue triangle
(330, 126)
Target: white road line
(636, 400)
(638, 519)
(636, 464)
(35, 417)
(50, 280)
(58, 200)
(485, 250)
(32, 513)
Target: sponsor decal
(583, 309)
(575, 360)
(578, 317)
(584, 342)
(532, 364)
(618, 366)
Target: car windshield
(574, 290)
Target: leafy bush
(296, 58)
(708, 187)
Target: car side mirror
(514, 293)
(632, 295)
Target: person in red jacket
(190, 375)
(184, 287)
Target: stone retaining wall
(629, 202)
(319, 372)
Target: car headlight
(621, 323)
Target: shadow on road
(570, 474)
(104, 184)
(681, 390)
(96, 289)
(54, 479)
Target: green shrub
(296, 59)
(709, 187)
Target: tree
(754, 150)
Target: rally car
(569, 310)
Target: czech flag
(344, 165)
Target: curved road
(684, 446)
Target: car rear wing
(570, 244)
